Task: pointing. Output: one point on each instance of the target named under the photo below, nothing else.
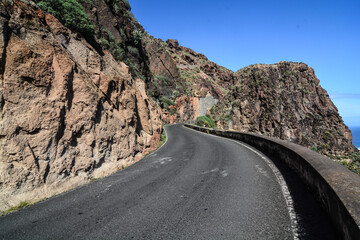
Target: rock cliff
(69, 112)
(188, 78)
(284, 100)
(82, 99)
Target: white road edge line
(279, 177)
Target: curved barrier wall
(336, 188)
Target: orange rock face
(67, 113)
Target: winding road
(196, 186)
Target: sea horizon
(355, 130)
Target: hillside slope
(186, 77)
(284, 100)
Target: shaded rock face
(166, 78)
(284, 100)
(68, 113)
(118, 32)
(182, 74)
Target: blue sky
(234, 33)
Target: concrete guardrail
(335, 187)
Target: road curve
(196, 186)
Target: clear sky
(235, 33)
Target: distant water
(356, 136)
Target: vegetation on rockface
(126, 46)
(205, 121)
(166, 103)
(165, 81)
(284, 100)
(162, 138)
(161, 142)
(169, 105)
(138, 36)
(182, 72)
(193, 71)
(71, 13)
(15, 208)
(350, 160)
(93, 179)
(79, 16)
(125, 40)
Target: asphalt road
(196, 186)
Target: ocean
(356, 136)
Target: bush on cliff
(166, 103)
(71, 13)
(205, 121)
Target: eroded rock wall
(284, 100)
(68, 112)
(186, 77)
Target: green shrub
(104, 42)
(206, 121)
(29, 23)
(324, 146)
(314, 148)
(175, 93)
(21, 205)
(133, 51)
(167, 102)
(173, 111)
(228, 118)
(327, 135)
(138, 35)
(163, 79)
(305, 91)
(118, 54)
(162, 138)
(92, 179)
(109, 35)
(133, 67)
(71, 13)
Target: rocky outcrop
(184, 75)
(284, 100)
(186, 109)
(75, 107)
(68, 112)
